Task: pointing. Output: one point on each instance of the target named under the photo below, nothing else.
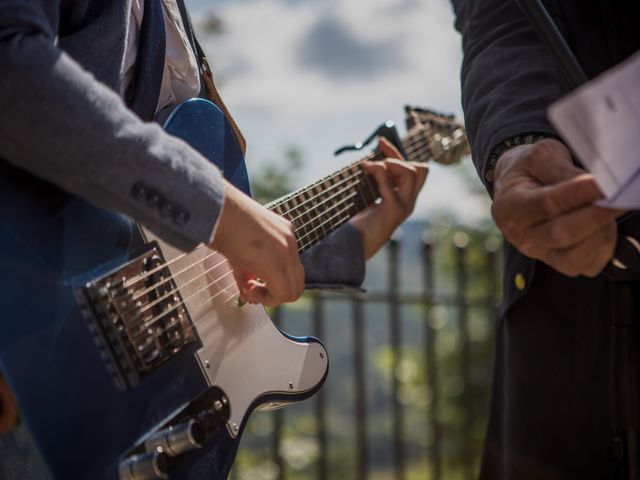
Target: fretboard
(320, 208)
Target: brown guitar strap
(213, 95)
(8, 408)
(210, 91)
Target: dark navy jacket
(550, 412)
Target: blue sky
(321, 73)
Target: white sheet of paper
(600, 121)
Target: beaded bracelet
(508, 144)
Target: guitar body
(79, 419)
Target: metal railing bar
(396, 334)
(277, 419)
(492, 247)
(359, 352)
(470, 299)
(320, 404)
(431, 370)
(461, 243)
(479, 302)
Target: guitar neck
(320, 208)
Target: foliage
(458, 317)
(275, 180)
(210, 24)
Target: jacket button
(166, 209)
(139, 191)
(180, 217)
(154, 199)
(519, 281)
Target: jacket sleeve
(336, 263)
(508, 76)
(61, 124)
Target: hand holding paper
(544, 206)
(600, 121)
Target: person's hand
(543, 205)
(399, 183)
(261, 248)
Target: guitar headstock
(436, 135)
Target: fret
(285, 209)
(312, 210)
(336, 219)
(322, 208)
(423, 157)
(280, 209)
(362, 199)
(303, 214)
(410, 145)
(318, 209)
(427, 138)
(358, 174)
(372, 192)
(296, 218)
(290, 208)
(294, 203)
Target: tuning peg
(427, 111)
(387, 130)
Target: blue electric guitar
(123, 358)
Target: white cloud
(278, 100)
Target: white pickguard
(243, 352)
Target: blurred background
(410, 360)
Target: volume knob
(147, 466)
(177, 439)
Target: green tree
(274, 180)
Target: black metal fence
(408, 386)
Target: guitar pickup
(137, 317)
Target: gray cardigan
(63, 121)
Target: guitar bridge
(138, 317)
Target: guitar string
(352, 204)
(232, 297)
(140, 292)
(127, 282)
(355, 175)
(311, 199)
(320, 183)
(213, 252)
(408, 139)
(408, 149)
(143, 275)
(315, 206)
(411, 140)
(149, 323)
(172, 292)
(159, 316)
(301, 193)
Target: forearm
(62, 125)
(508, 77)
